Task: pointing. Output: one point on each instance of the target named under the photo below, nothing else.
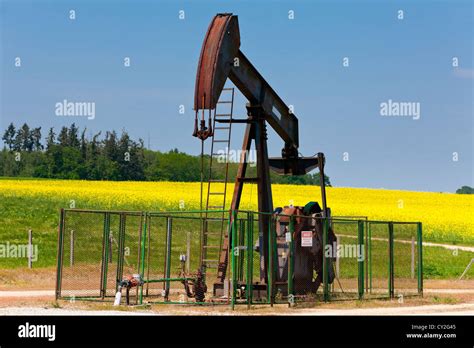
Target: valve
(129, 282)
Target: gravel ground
(42, 303)
(60, 311)
(458, 309)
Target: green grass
(18, 215)
(438, 263)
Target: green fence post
(203, 252)
(169, 233)
(366, 229)
(325, 261)
(369, 253)
(121, 246)
(291, 230)
(271, 263)
(242, 252)
(420, 258)
(232, 259)
(105, 253)
(60, 253)
(360, 240)
(148, 251)
(142, 256)
(249, 258)
(391, 291)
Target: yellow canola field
(444, 215)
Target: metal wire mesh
(348, 253)
(405, 260)
(378, 257)
(183, 247)
(83, 254)
(176, 255)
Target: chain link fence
(222, 257)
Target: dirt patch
(53, 308)
(448, 284)
(34, 288)
(28, 279)
(429, 304)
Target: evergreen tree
(35, 139)
(110, 146)
(9, 136)
(63, 138)
(50, 139)
(73, 139)
(83, 144)
(22, 140)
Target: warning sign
(306, 238)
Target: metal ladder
(211, 239)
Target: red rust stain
(207, 63)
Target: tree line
(70, 154)
(466, 190)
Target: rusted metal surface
(218, 51)
(265, 200)
(256, 132)
(257, 90)
(221, 59)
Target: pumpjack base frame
(259, 290)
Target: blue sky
(338, 107)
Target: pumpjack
(221, 59)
